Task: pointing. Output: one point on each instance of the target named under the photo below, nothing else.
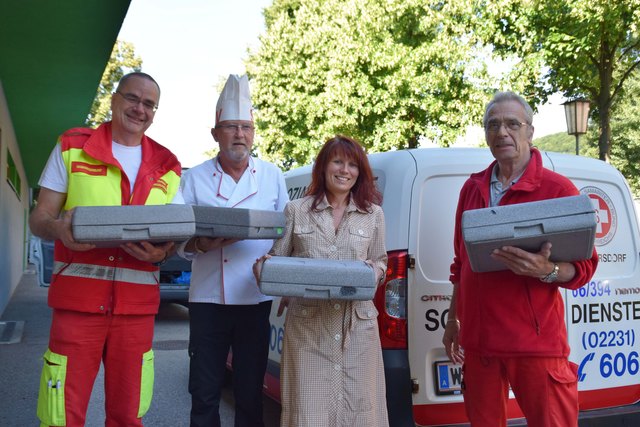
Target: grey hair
(499, 97)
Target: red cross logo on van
(606, 217)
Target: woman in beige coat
(331, 371)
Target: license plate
(447, 377)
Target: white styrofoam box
(317, 278)
(238, 223)
(111, 226)
(569, 223)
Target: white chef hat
(235, 100)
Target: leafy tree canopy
(582, 48)
(625, 134)
(387, 72)
(560, 142)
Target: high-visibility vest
(109, 279)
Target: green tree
(587, 48)
(560, 142)
(387, 72)
(625, 134)
(123, 60)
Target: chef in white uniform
(226, 308)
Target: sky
(190, 46)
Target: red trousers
(546, 389)
(122, 343)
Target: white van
(420, 189)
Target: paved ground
(20, 365)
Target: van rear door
(441, 174)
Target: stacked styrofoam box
(569, 223)
(317, 278)
(238, 223)
(111, 226)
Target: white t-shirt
(129, 158)
(54, 176)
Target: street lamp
(577, 112)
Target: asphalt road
(20, 366)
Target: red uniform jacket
(501, 313)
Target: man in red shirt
(510, 323)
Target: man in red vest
(104, 300)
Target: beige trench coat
(331, 371)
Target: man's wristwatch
(164, 260)
(553, 276)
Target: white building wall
(14, 210)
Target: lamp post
(576, 113)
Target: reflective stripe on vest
(101, 272)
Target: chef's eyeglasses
(235, 128)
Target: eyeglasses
(235, 128)
(494, 126)
(134, 100)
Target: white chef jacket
(224, 275)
